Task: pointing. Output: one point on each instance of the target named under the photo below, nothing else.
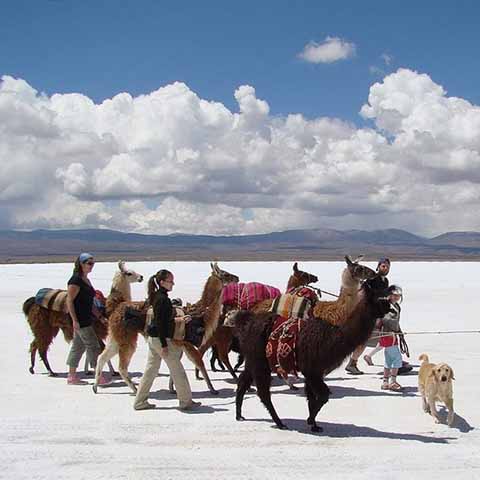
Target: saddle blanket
(245, 295)
(56, 300)
(296, 303)
(281, 345)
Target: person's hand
(164, 351)
(187, 318)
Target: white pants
(177, 372)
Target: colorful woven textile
(245, 295)
(296, 303)
(281, 345)
(52, 299)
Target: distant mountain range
(315, 244)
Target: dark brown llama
(223, 335)
(321, 347)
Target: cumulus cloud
(330, 50)
(169, 161)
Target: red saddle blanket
(246, 295)
(281, 345)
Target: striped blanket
(245, 295)
(56, 300)
(296, 303)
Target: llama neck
(349, 292)
(121, 287)
(211, 292)
(211, 304)
(293, 282)
(359, 324)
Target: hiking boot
(368, 360)
(405, 368)
(144, 406)
(74, 379)
(190, 406)
(352, 368)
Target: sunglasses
(89, 263)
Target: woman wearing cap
(380, 284)
(80, 295)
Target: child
(391, 325)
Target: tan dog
(435, 383)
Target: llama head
(130, 276)
(359, 272)
(223, 275)
(299, 277)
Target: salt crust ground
(51, 430)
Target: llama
(223, 336)
(336, 312)
(122, 338)
(321, 347)
(45, 322)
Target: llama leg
(112, 371)
(240, 361)
(318, 394)
(263, 379)
(223, 348)
(33, 353)
(244, 383)
(195, 357)
(43, 356)
(214, 358)
(109, 352)
(125, 355)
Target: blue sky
(102, 48)
(239, 117)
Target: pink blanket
(246, 295)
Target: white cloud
(169, 161)
(331, 50)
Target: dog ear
(452, 376)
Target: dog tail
(424, 358)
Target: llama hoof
(282, 426)
(250, 390)
(88, 373)
(94, 388)
(316, 429)
(293, 387)
(214, 392)
(239, 418)
(115, 374)
(52, 374)
(31, 370)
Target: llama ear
(121, 266)
(295, 267)
(358, 259)
(348, 260)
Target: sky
(224, 118)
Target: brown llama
(337, 311)
(123, 336)
(321, 347)
(223, 336)
(46, 322)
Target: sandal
(385, 385)
(396, 387)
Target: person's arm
(72, 293)
(162, 314)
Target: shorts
(393, 357)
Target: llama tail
(424, 358)
(27, 305)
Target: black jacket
(163, 323)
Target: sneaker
(104, 380)
(190, 406)
(353, 369)
(74, 379)
(405, 368)
(368, 360)
(144, 406)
